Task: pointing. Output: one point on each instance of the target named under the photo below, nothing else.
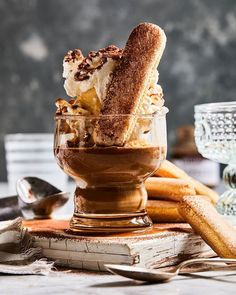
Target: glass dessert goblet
(110, 195)
(215, 135)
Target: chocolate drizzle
(73, 55)
(95, 60)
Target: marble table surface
(80, 282)
(216, 283)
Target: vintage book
(163, 245)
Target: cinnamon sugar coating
(129, 82)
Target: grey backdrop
(198, 65)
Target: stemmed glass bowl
(110, 194)
(215, 136)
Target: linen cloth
(17, 252)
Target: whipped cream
(153, 99)
(95, 72)
(92, 72)
(99, 80)
(71, 61)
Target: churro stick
(168, 169)
(210, 225)
(163, 211)
(168, 188)
(129, 83)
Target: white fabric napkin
(17, 253)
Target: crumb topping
(95, 60)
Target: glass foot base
(227, 203)
(95, 223)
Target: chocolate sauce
(108, 176)
(108, 166)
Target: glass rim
(160, 113)
(217, 107)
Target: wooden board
(163, 245)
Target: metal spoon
(37, 198)
(157, 275)
(9, 208)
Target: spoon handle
(9, 208)
(207, 261)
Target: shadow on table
(226, 278)
(128, 283)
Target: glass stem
(229, 176)
(227, 202)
